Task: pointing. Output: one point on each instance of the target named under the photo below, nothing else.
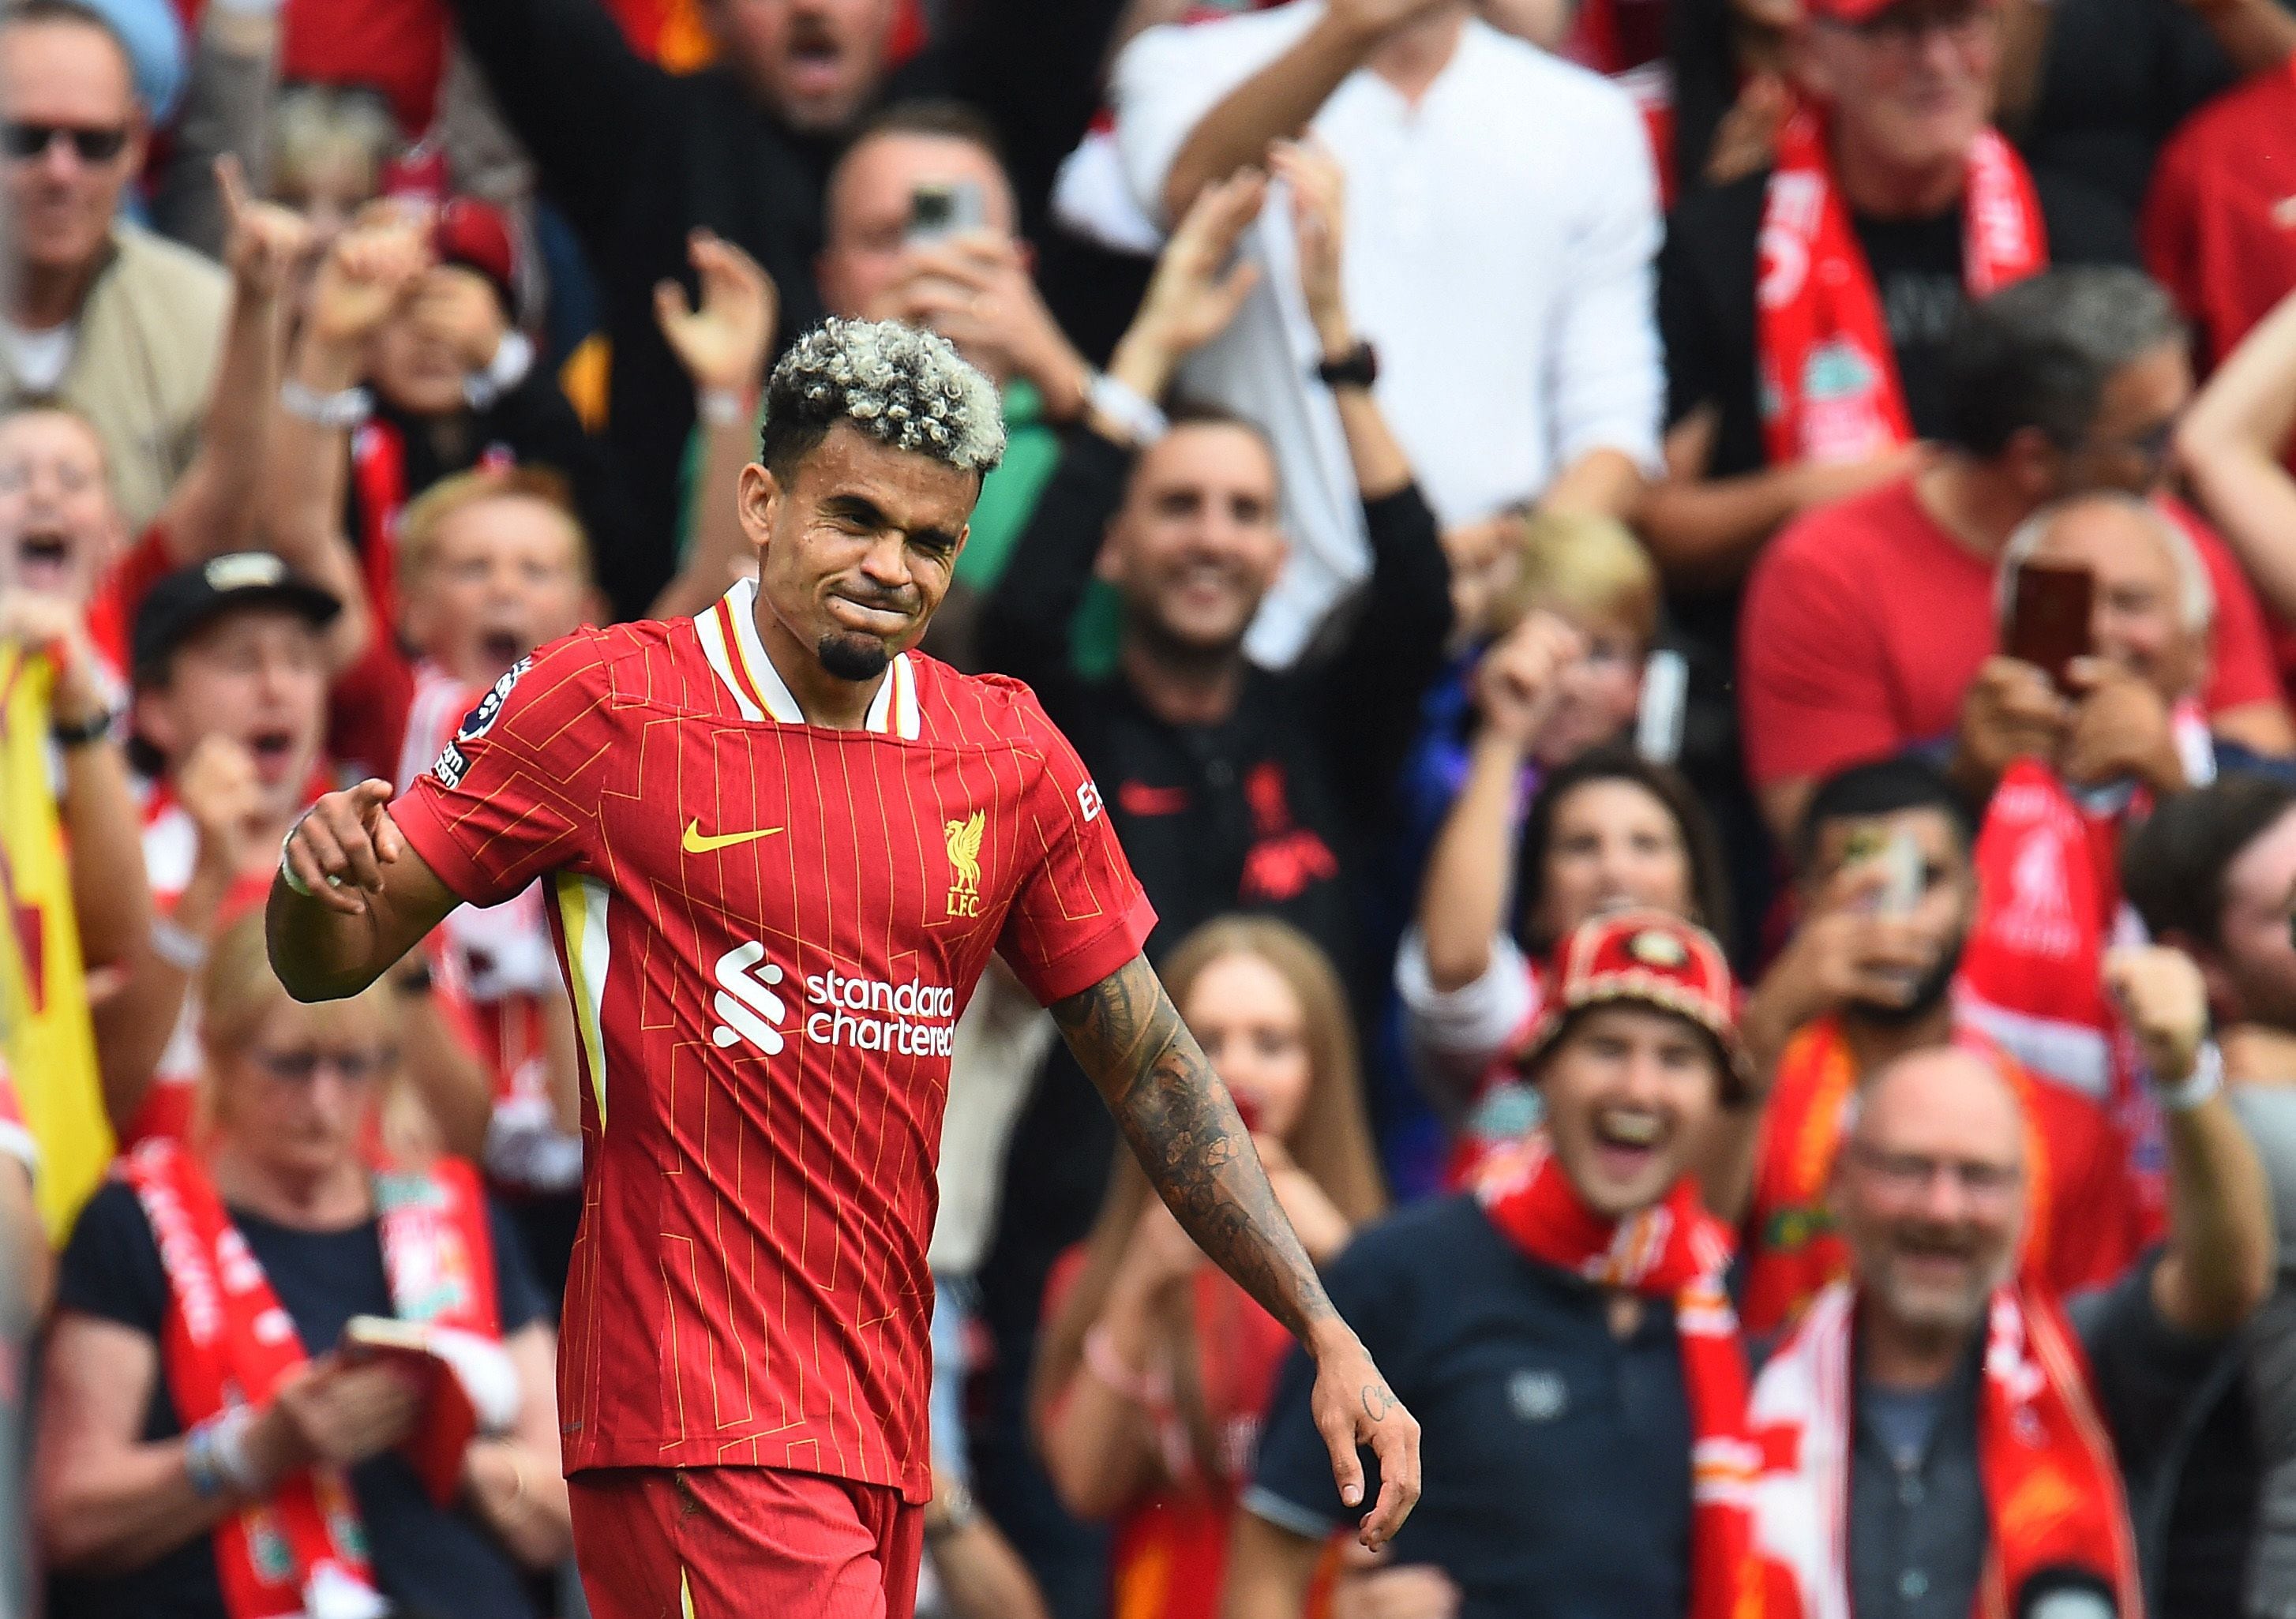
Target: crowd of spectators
(1685, 607)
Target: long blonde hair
(1330, 1142)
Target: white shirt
(1500, 235)
(40, 358)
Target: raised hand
(218, 790)
(336, 853)
(1197, 290)
(2161, 994)
(1319, 222)
(264, 244)
(976, 291)
(55, 626)
(461, 307)
(723, 344)
(369, 269)
(1519, 679)
(2121, 731)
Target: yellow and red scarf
(1829, 376)
(2052, 1488)
(1791, 1251)
(227, 1341)
(1676, 1251)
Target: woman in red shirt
(1156, 1367)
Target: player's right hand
(338, 850)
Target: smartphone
(945, 208)
(1901, 875)
(1659, 714)
(2049, 620)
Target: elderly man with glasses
(1936, 1437)
(124, 326)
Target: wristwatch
(94, 728)
(1357, 368)
(951, 1508)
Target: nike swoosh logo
(696, 843)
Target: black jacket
(1273, 810)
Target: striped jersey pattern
(767, 930)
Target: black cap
(191, 598)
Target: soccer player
(780, 846)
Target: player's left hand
(1354, 1406)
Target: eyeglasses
(1910, 1174)
(25, 142)
(301, 1067)
(2150, 447)
(1902, 27)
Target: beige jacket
(150, 335)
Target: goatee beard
(852, 657)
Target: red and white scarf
(227, 1341)
(1673, 1250)
(2052, 1488)
(1829, 376)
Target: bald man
(1984, 1442)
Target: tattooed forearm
(1187, 1136)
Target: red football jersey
(768, 929)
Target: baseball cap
(476, 237)
(1649, 957)
(187, 600)
(1855, 14)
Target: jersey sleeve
(514, 792)
(1079, 913)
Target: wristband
(178, 947)
(67, 735)
(286, 867)
(214, 1454)
(2205, 1080)
(348, 409)
(1120, 403)
(722, 407)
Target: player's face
(856, 551)
(295, 1098)
(1629, 1092)
(1254, 1032)
(58, 526)
(503, 577)
(1197, 543)
(257, 676)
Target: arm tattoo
(1187, 1136)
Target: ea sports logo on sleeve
(746, 1000)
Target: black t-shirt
(1706, 296)
(427, 1561)
(1558, 1455)
(2118, 78)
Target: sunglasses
(29, 141)
(301, 1067)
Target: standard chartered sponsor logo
(911, 1019)
(914, 1019)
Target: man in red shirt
(2219, 223)
(1865, 621)
(781, 847)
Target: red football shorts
(727, 1542)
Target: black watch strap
(93, 730)
(1357, 368)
